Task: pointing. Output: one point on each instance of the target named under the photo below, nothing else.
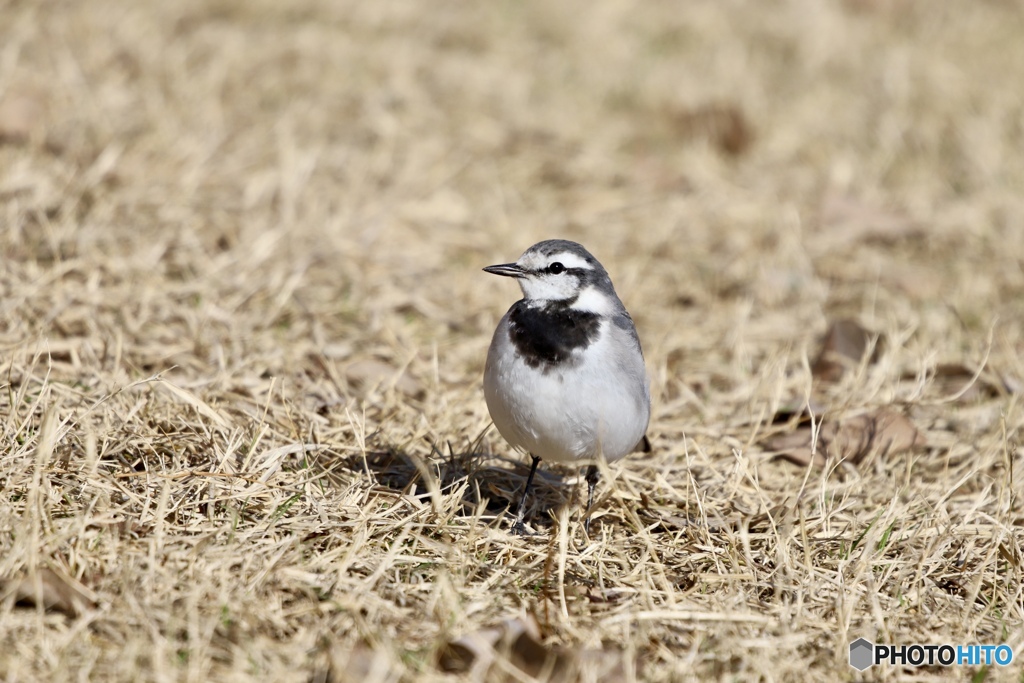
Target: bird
(565, 379)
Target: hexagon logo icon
(862, 654)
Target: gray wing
(631, 362)
(625, 323)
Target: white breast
(597, 405)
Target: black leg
(518, 527)
(593, 474)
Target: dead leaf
(794, 447)
(21, 116)
(845, 220)
(360, 664)
(52, 590)
(956, 380)
(723, 124)
(883, 432)
(371, 373)
(844, 346)
(799, 411)
(474, 653)
(1010, 553)
(488, 654)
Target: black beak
(506, 269)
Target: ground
(243, 326)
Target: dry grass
(243, 327)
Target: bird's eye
(556, 268)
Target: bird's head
(561, 271)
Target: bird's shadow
(498, 487)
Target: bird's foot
(520, 529)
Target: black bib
(546, 336)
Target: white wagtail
(565, 377)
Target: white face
(544, 285)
